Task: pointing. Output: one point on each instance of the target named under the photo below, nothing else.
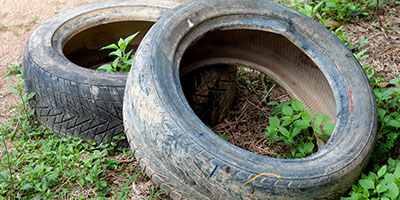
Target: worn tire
(210, 92)
(74, 100)
(188, 160)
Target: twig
(379, 20)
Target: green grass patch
(35, 163)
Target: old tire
(70, 98)
(188, 160)
(210, 92)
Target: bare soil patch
(17, 21)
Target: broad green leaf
(291, 140)
(382, 171)
(365, 193)
(381, 187)
(297, 105)
(31, 95)
(115, 64)
(394, 123)
(106, 68)
(308, 147)
(321, 118)
(324, 137)
(296, 116)
(397, 172)
(391, 162)
(121, 44)
(381, 113)
(103, 183)
(295, 132)
(393, 191)
(285, 118)
(316, 129)
(387, 94)
(287, 110)
(395, 81)
(328, 128)
(130, 38)
(284, 131)
(272, 103)
(306, 116)
(301, 124)
(389, 177)
(300, 148)
(111, 46)
(367, 184)
(116, 53)
(286, 122)
(274, 122)
(372, 176)
(331, 4)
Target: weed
(361, 55)
(295, 127)
(388, 101)
(154, 193)
(343, 37)
(123, 61)
(308, 9)
(2, 26)
(14, 70)
(346, 10)
(384, 184)
(37, 164)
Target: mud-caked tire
(187, 160)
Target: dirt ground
(17, 21)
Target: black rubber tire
(210, 92)
(74, 100)
(188, 160)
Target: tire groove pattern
(60, 107)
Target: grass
(37, 164)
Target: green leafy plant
(123, 60)
(308, 9)
(345, 10)
(154, 193)
(294, 126)
(383, 185)
(388, 101)
(343, 37)
(37, 164)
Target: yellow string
(262, 174)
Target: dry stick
(379, 20)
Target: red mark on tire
(351, 101)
